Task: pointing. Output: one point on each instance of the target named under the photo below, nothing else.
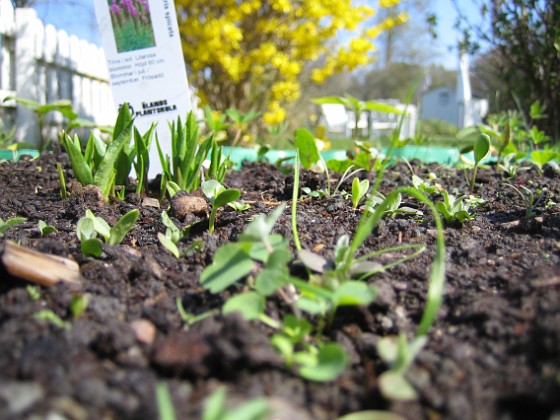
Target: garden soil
(493, 353)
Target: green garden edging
(442, 155)
(15, 155)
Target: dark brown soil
(494, 352)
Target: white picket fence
(44, 64)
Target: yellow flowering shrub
(252, 54)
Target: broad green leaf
(271, 279)
(231, 263)
(45, 229)
(11, 222)
(307, 147)
(91, 247)
(329, 100)
(280, 257)
(250, 305)
(295, 328)
(226, 196)
(353, 293)
(169, 245)
(99, 224)
(211, 189)
(282, 345)
(85, 229)
(331, 362)
(122, 227)
(258, 251)
(481, 147)
(339, 166)
(394, 386)
(383, 108)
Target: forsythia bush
(254, 54)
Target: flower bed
(492, 353)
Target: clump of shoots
(90, 226)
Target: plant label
(146, 67)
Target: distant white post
(146, 65)
(465, 117)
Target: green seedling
(219, 196)
(510, 164)
(529, 198)
(426, 187)
(173, 234)
(480, 150)
(542, 157)
(34, 292)
(359, 190)
(188, 318)
(11, 222)
(45, 229)
(216, 408)
(89, 226)
(142, 144)
(240, 121)
(51, 317)
(239, 205)
(103, 165)
(319, 363)
(78, 305)
(399, 354)
(454, 209)
(164, 402)
(64, 106)
(234, 261)
(62, 181)
(183, 170)
(393, 207)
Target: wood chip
(144, 330)
(40, 268)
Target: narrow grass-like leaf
(164, 402)
(107, 170)
(81, 169)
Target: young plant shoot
(219, 196)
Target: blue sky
(79, 19)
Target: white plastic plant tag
(146, 67)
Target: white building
(455, 106)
